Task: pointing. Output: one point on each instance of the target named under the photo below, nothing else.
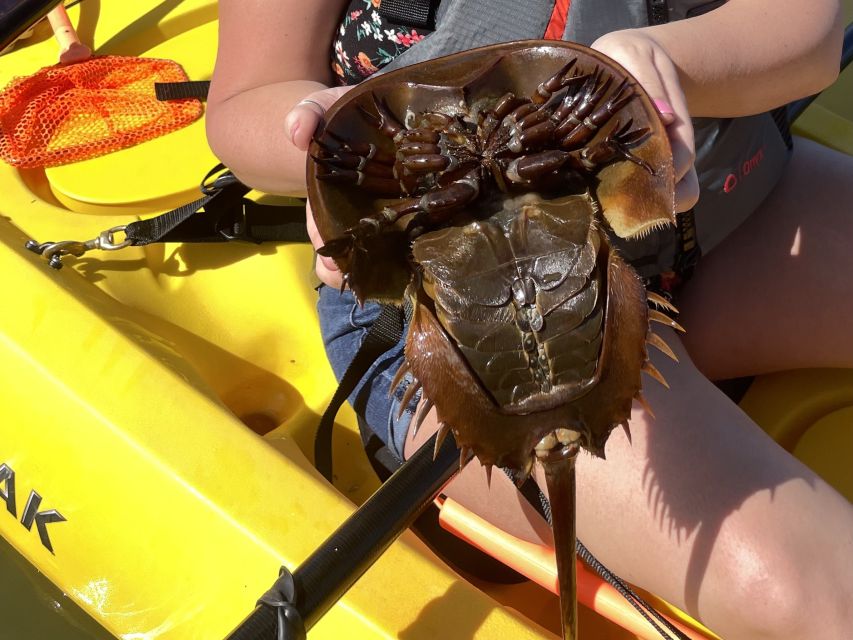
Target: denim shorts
(344, 324)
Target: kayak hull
(158, 404)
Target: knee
(780, 591)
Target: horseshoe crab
(485, 188)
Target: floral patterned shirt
(366, 42)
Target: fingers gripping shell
(490, 202)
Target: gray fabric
(587, 21)
(462, 25)
(738, 162)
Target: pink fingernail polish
(663, 106)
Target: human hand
(324, 267)
(652, 67)
(300, 123)
(302, 120)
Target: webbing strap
(225, 190)
(386, 332)
(559, 17)
(222, 219)
(658, 11)
(222, 214)
(182, 90)
(411, 13)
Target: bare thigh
(703, 508)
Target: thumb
(302, 120)
(667, 113)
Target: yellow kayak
(159, 403)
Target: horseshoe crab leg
(559, 466)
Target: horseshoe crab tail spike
(660, 301)
(657, 316)
(488, 468)
(652, 370)
(410, 392)
(656, 341)
(398, 377)
(559, 469)
(627, 429)
(645, 404)
(425, 408)
(443, 430)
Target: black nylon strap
(268, 223)
(384, 334)
(221, 215)
(182, 90)
(222, 221)
(160, 229)
(658, 11)
(688, 252)
(225, 194)
(411, 13)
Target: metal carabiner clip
(54, 251)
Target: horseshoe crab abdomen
(526, 312)
(525, 299)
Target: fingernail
(294, 129)
(663, 106)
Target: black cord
(643, 607)
(531, 491)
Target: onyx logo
(31, 513)
(745, 168)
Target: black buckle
(237, 227)
(222, 180)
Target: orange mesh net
(62, 114)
